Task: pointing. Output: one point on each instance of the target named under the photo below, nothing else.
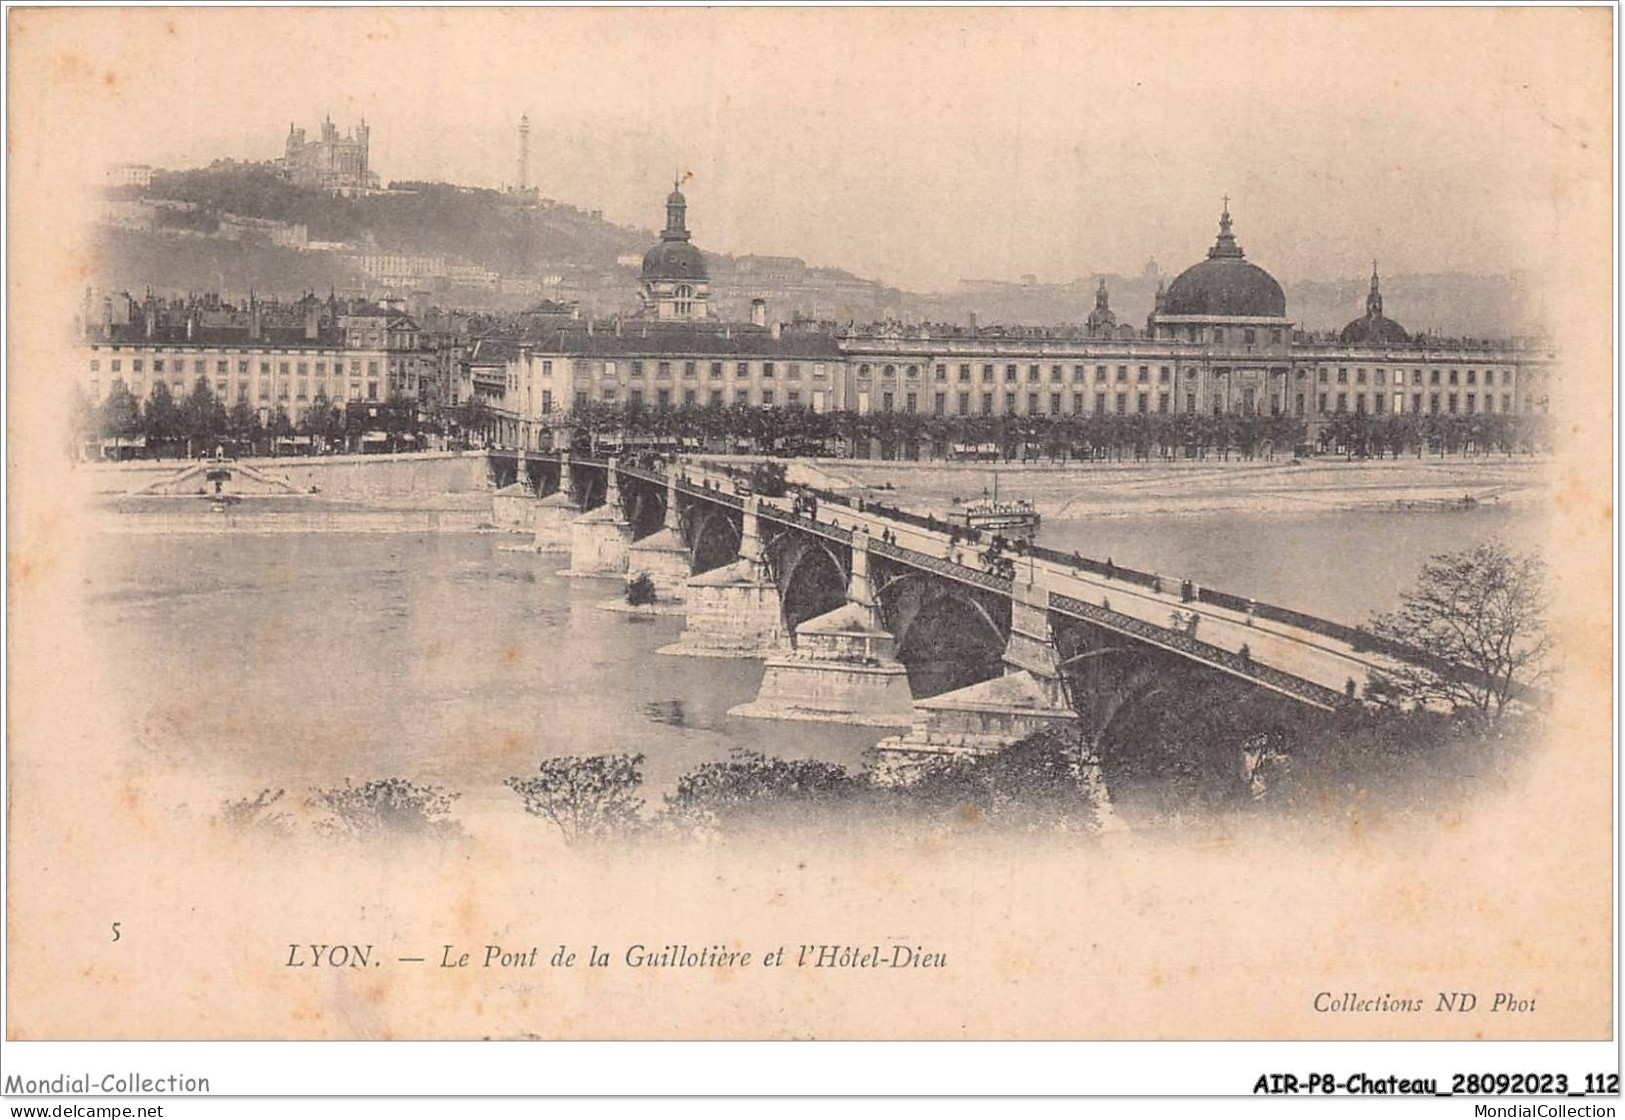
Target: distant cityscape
(319, 218)
(442, 297)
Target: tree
(120, 414)
(243, 425)
(161, 419)
(1037, 784)
(475, 420)
(321, 420)
(203, 418)
(749, 785)
(257, 815)
(385, 807)
(640, 590)
(585, 798)
(281, 425)
(1477, 618)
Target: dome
(675, 198)
(1225, 284)
(674, 260)
(1373, 329)
(1225, 287)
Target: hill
(234, 226)
(482, 227)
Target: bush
(386, 807)
(591, 797)
(749, 785)
(252, 814)
(640, 590)
(1036, 784)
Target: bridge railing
(808, 524)
(1358, 639)
(1095, 567)
(942, 566)
(1305, 690)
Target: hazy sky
(914, 146)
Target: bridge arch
(947, 635)
(588, 485)
(645, 507)
(811, 577)
(714, 538)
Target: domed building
(1102, 320)
(1374, 328)
(1231, 315)
(1222, 293)
(675, 286)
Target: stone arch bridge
(873, 619)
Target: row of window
(1012, 372)
(1120, 403)
(664, 398)
(1247, 335)
(637, 367)
(199, 365)
(223, 390)
(1452, 403)
(1416, 376)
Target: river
(296, 660)
(1342, 565)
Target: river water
(444, 658)
(1341, 565)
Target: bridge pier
(988, 716)
(513, 508)
(662, 555)
(843, 668)
(734, 610)
(551, 516)
(599, 538)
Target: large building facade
(266, 355)
(1220, 341)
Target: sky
(913, 146)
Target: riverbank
(1084, 491)
(292, 513)
(408, 475)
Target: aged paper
(158, 677)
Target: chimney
(973, 322)
(191, 326)
(312, 322)
(107, 316)
(152, 320)
(253, 319)
(777, 330)
(758, 312)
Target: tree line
(200, 421)
(1059, 438)
(196, 424)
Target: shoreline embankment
(452, 491)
